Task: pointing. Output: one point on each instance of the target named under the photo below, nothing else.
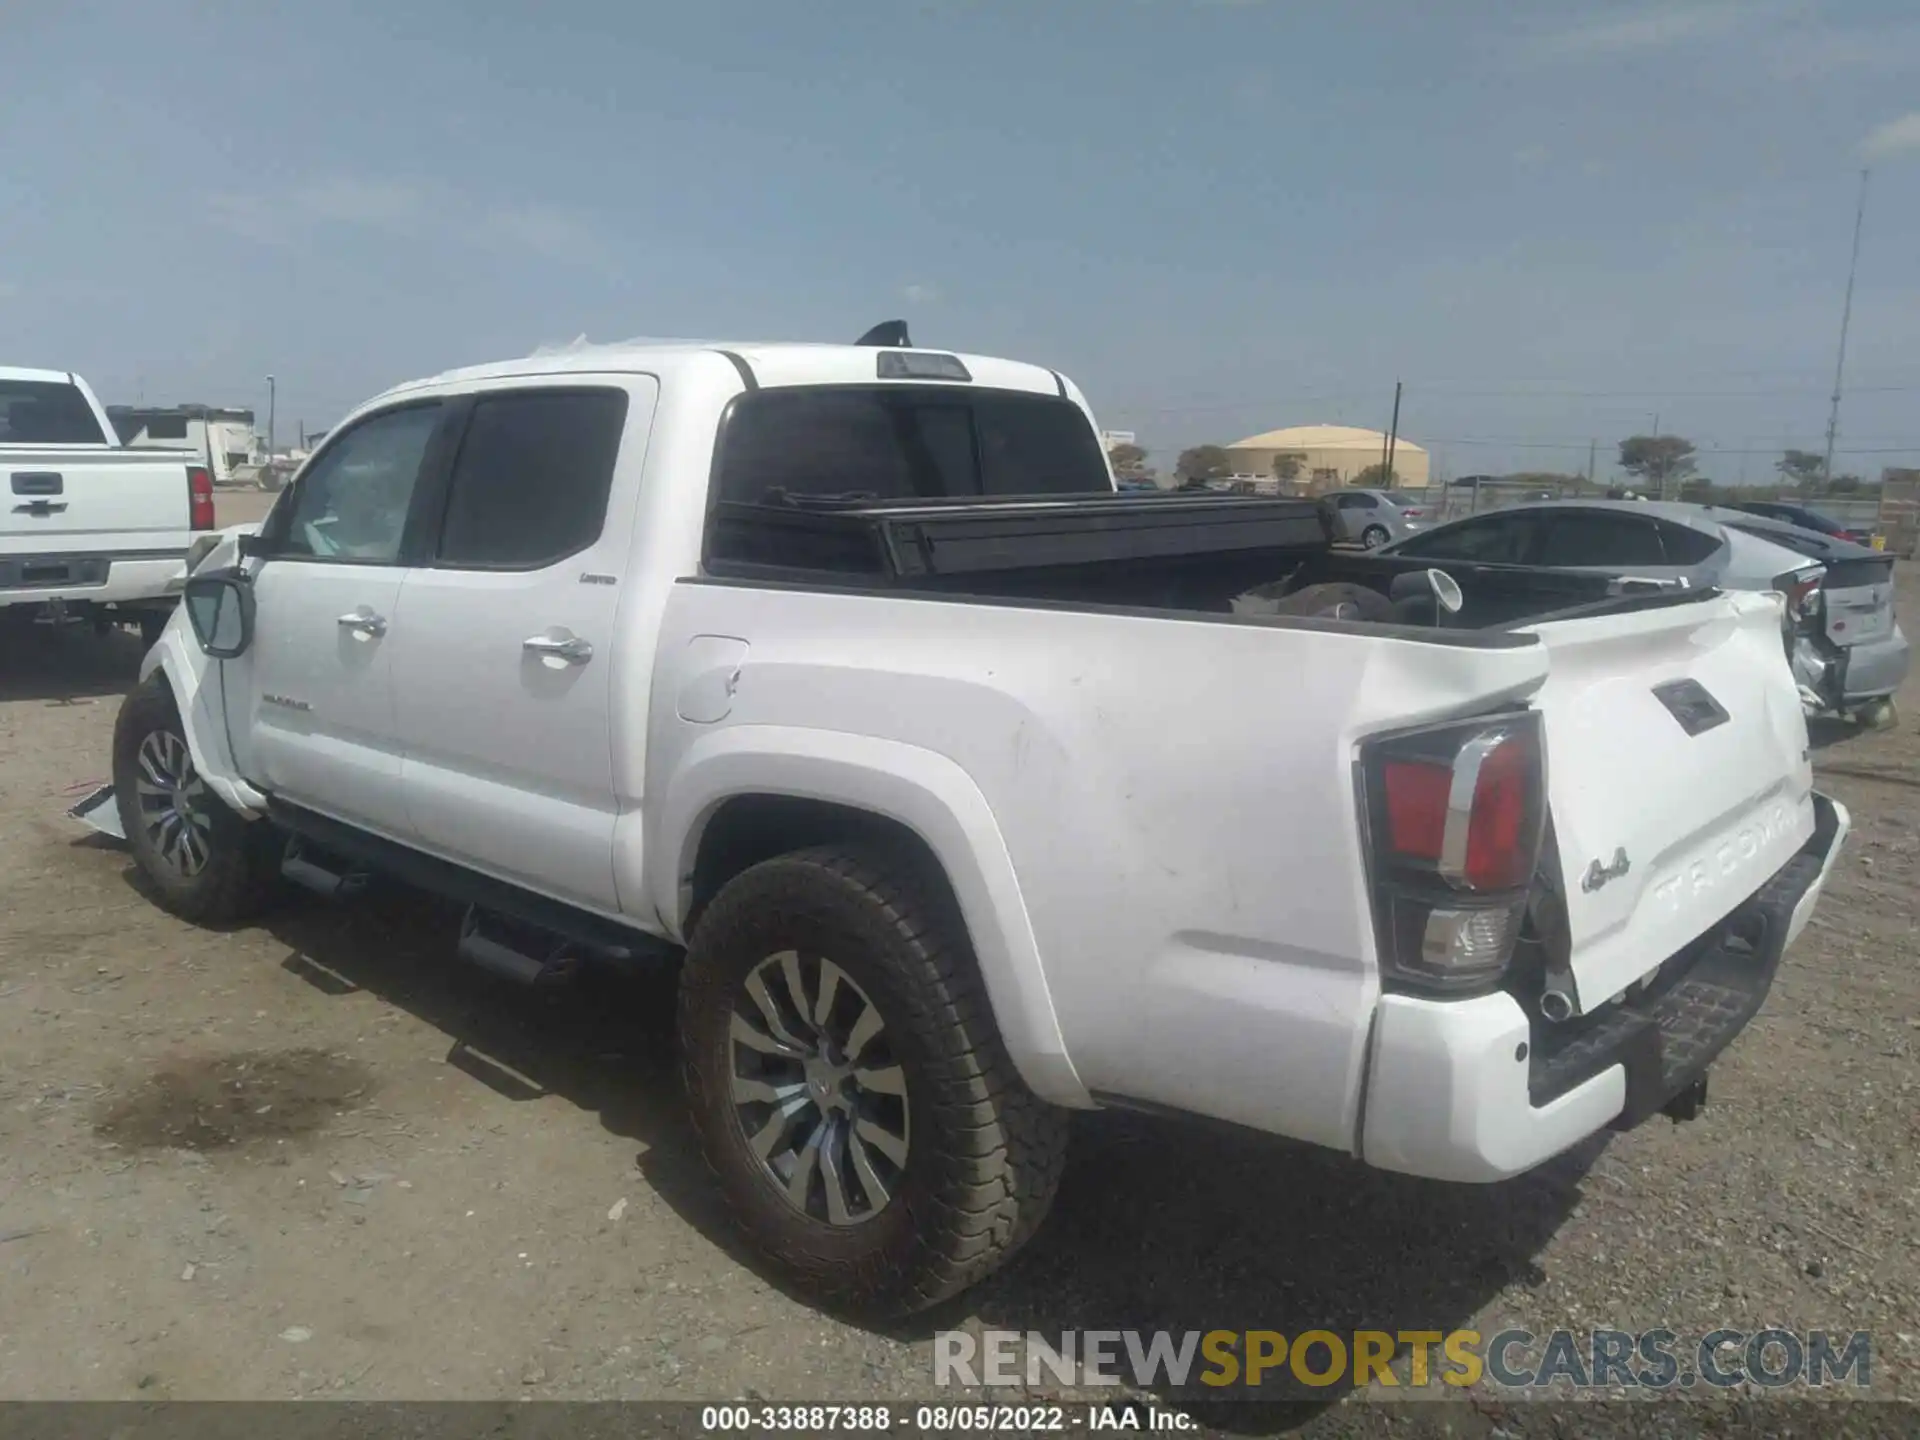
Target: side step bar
(321, 875)
(526, 957)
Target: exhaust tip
(1556, 1006)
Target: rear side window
(531, 479)
(1687, 546)
(903, 443)
(1495, 540)
(46, 412)
(1601, 540)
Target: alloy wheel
(173, 804)
(819, 1096)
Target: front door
(505, 663)
(317, 724)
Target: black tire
(1374, 536)
(240, 873)
(1338, 601)
(984, 1155)
(1877, 715)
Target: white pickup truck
(93, 530)
(964, 793)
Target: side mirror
(220, 609)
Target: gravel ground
(320, 1158)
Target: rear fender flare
(930, 795)
(197, 695)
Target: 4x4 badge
(1598, 874)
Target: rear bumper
(1471, 1090)
(112, 579)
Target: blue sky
(1220, 216)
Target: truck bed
(1166, 551)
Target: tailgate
(1679, 777)
(77, 501)
(1858, 599)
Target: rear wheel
(1374, 536)
(205, 863)
(1877, 715)
(850, 1091)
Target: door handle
(571, 649)
(364, 622)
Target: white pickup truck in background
(964, 793)
(92, 530)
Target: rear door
(504, 658)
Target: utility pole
(1393, 436)
(272, 397)
(1846, 318)
(1593, 449)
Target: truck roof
(771, 365)
(25, 372)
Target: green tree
(1128, 459)
(1658, 461)
(1844, 485)
(1697, 490)
(1800, 469)
(1203, 462)
(1287, 465)
(1376, 477)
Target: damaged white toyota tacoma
(967, 792)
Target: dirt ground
(321, 1158)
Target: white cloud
(1532, 155)
(1896, 137)
(1658, 28)
(920, 294)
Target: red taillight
(1486, 844)
(200, 497)
(1416, 796)
(1499, 850)
(1412, 514)
(1457, 815)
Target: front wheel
(850, 1090)
(205, 863)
